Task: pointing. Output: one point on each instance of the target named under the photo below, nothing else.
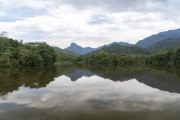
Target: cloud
(114, 5)
(88, 23)
(99, 19)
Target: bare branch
(4, 34)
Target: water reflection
(76, 74)
(78, 93)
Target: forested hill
(64, 56)
(15, 53)
(153, 39)
(120, 49)
(165, 45)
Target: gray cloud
(116, 5)
(99, 19)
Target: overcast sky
(87, 22)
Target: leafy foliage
(113, 59)
(15, 53)
(157, 59)
(63, 56)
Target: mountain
(115, 48)
(147, 42)
(162, 41)
(115, 43)
(63, 55)
(62, 51)
(121, 43)
(57, 49)
(168, 44)
(76, 49)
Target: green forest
(14, 53)
(169, 58)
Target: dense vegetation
(112, 59)
(15, 53)
(169, 58)
(63, 57)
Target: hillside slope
(147, 42)
(131, 50)
(62, 55)
(165, 45)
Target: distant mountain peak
(75, 48)
(74, 44)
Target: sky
(87, 22)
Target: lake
(90, 93)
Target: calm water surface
(99, 93)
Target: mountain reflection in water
(84, 93)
